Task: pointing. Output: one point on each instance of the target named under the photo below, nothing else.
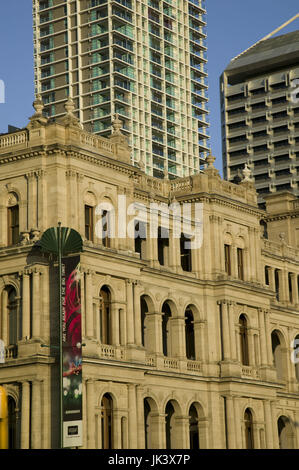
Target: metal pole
(60, 335)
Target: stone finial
(117, 125)
(38, 105)
(210, 161)
(209, 167)
(69, 119)
(247, 174)
(165, 173)
(37, 119)
(69, 106)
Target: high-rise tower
(142, 59)
(260, 114)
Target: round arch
(286, 434)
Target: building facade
(260, 114)
(182, 347)
(145, 60)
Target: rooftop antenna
(269, 35)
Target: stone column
(275, 427)
(181, 434)
(294, 289)
(130, 312)
(269, 424)
(36, 301)
(283, 286)
(154, 329)
(231, 307)
(178, 337)
(36, 414)
(115, 324)
(123, 326)
(72, 207)
(32, 198)
(88, 304)
(158, 438)
(200, 340)
(225, 330)
(140, 419)
(263, 341)
(268, 337)
(236, 404)
(41, 200)
(175, 252)
(80, 205)
(132, 416)
(25, 415)
(90, 403)
(26, 305)
(230, 420)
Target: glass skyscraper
(142, 59)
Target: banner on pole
(72, 352)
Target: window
(189, 334)
(106, 229)
(140, 239)
(89, 223)
(186, 260)
(227, 259)
(243, 332)
(106, 422)
(105, 316)
(277, 351)
(193, 428)
(163, 245)
(13, 225)
(267, 278)
(290, 282)
(277, 283)
(248, 429)
(240, 257)
(166, 328)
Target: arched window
(144, 311)
(13, 229)
(169, 425)
(248, 422)
(151, 424)
(285, 433)
(89, 208)
(12, 424)
(193, 428)
(106, 421)
(105, 315)
(189, 334)
(277, 354)
(147, 410)
(166, 328)
(89, 222)
(243, 333)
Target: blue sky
(233, 25)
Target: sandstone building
(182, 348)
